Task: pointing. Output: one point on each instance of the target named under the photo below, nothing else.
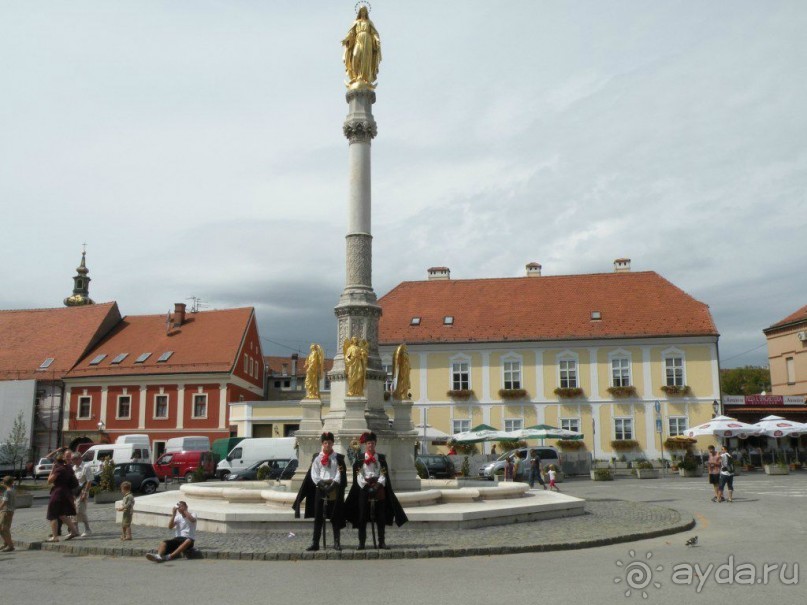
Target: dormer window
(448, 320)
(415, 321)
(142, 357)
(596, 316)
(98, 359)
(119, 358)
(46, 364)
(165, 356)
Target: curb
(352, 555)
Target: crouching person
(183, 522)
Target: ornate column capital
(359, 130)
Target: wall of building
(781, 347)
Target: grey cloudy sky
(196, 146)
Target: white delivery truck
(119, 452)
(142, 440)
(250, 451)
(188, 444)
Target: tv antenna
(196, 304)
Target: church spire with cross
(81, 285)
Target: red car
(183, 464)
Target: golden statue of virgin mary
(362, 52)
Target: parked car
(279, 469)
(140, 474)
(183, 464)
(43, 468)
(548, 455)
(438, 466)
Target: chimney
(294, 358)
(438, 273)
(179, 315)
(533, 269)
(622, 265)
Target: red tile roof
(208, 341)
(793, 318)
(632, 304)
(28, 337)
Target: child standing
(127, 508)
(552, 475)
(7, 504)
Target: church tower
(81, 286)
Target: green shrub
(107, 482)
(263, 473)
(422, 472)
(198, 475)
(603, 474)
(466, 467)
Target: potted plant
(746, 463)
(689, 467)
(509, 394)
(602, 474)
(569, 392)
(460, 394)
(777, 467)
(624, 445)
(622, 392)
(106, 486)
(674, 463)
(643, 469)
(676, 391)
(571, 444)
(795, 465)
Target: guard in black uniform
(371, 497)
(323, 490)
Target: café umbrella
(542, 431)
(776, 426)
(724, 427)
(478, 434)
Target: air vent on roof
(165, 356)
(98, 359)
(448, 320)
(415, 321)
(596, 315)
(46, 363)
(119, 358)
(142, 357)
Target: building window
(460, 426)
(512, 374)
(674, 371)
(387, 377)
(84, 406)
(200, 406)
(513, 424)
(460, 376)
(568, 373)
(678, 425)
(570, 424)
(287, 384)
(277, 384)
(161, 406)
(791, 370)
(623, 428)
(124, 407)
(620, 372)
(246, 363)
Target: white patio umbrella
(429, 433)
(543, 433)
(478, 434)
(724, 427)
(776, 426)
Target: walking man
(713, 464)
(323, 490)
(83, 473)
(371, 497)
(726, 474)
(535, 470)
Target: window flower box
(622, 392)
(623, 445)
(676, 391)
(569, 392)
(571, 444)
(509, 394)
(460, 394)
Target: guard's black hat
(368, 437)
(327, 436)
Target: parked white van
(142, 440)
(250, 451)
(119, 452)
(188, 444)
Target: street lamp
(101, 427)
(715, 408)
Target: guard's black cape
(394, 509)
(308, 492)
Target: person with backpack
(726, 474)
(535, 470)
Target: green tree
(749, 380)
(16, 447)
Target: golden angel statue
(356, 355)
(362, 52)
(314, 366)
(401, 369)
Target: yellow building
(592, 353)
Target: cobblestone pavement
(605, 522)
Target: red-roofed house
(166, 376)
(787, 354)
(38, 347)
(584, 352)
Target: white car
(43, 467)
(548, 455)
